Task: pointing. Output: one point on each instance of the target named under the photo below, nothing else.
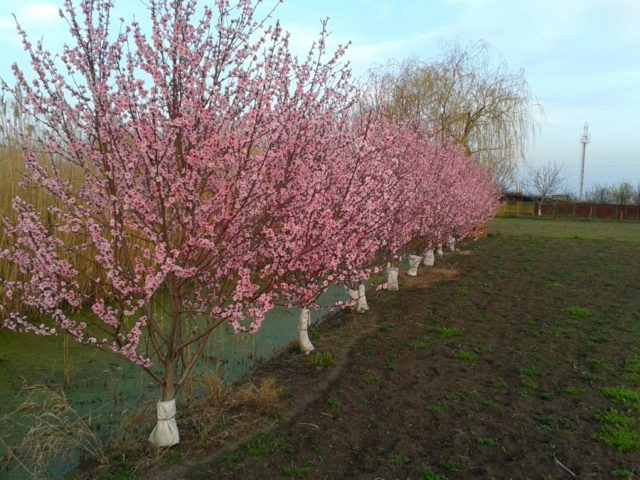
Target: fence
(602, 211)
(517, 208)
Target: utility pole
(584, 140)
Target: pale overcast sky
(581, 58)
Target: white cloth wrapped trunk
(414, 263)
(165, 433)
(392, 278)
(361, 296)
(303, 335)
(429, 258)
(440, 252)
(451, 243)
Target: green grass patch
(627, 396)
(439, 407)
(632, 368)
(565, 228)
(622, 473)
(579, 312)
(173, 458)
(619, 431)
(386, 327)
(292, 471)
(574, 391)
(400, 459)
(428, 474)
(321, 360)
(333, 403)
(530, 371)
(418, 345)
(488, 442)
(448, 332)
(466, 356)
(370, 378)
(450, 465)
(259, 445)
(232, 458)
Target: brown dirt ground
(496, 373)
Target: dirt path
(526, 366)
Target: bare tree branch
(545, 180)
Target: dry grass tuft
(262, 399)
(53, 429)
(136, 424)
(222, 412)
(215, 394)
(428, 278)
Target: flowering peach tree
(219, 176)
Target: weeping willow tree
(466, 96)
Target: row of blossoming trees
(220, 176)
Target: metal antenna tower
(583, 140)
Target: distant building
(511, 197)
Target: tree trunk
(361, 296)
(451, 243)
(363, 306)
(165, 433)
(303, 335)
(392, 278)
(414, 262)
(429, 258)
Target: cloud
(363, 54)
(474, 4)
(38, 12)
(30, 14)
(381, 52)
